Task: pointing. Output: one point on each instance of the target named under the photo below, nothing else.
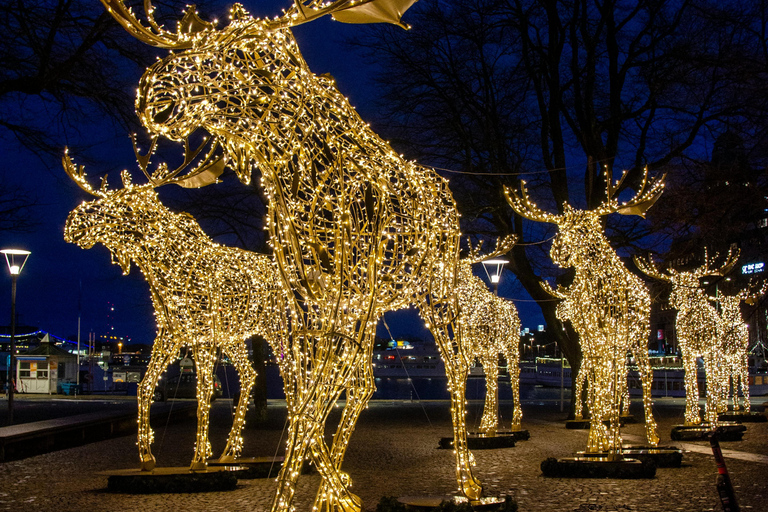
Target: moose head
(686, 291)
(133, 217)
(580, 240)
(242, 82)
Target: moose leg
(513, 368)
(239, 356)
(204, 358)
(578, 390)
(646, 380)
(359, 392)
(489, 423)
(743, 373)
(440, 317)
(162, 353)
(595, 407)
(300, 434)
(714, 390)
(692, 412)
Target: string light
(206, 297)
(699, 333)
(608, 306)
(490, 326)
(355, 229)
(735, 344)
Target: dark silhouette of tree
(565, 94)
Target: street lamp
(15, 258)
(497, 265)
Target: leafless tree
(561, 93)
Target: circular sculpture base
(660, 456)
(173, 480)
(478, 441)
(426, 503)
(743, 417)
(729, 432)
(583, 423)
(252, 468)
(597, 467)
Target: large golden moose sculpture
(206, 297)
(491, 328)
(735, 344)
(699, 333)
(608, 306)
(356, 229)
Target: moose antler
(646, 196)
(649, 268)
(77, 173)
(706, 270)
(205, 173)
(522, 204)
(503, 246)
(752, 292)
(190, 28)
(345, 11)
(557, 293)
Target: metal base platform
(427, 503)
(173, 480)
(597, 467)
(477, 441)
(660, 456)
(743, 417)
(583, 424)
(729, 432)
(254, 467)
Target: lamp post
(15, 258)
(497, 265)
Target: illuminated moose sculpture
(491, 327)
(356, 229)
(206, 297)
(608, 306)
(699, 333)
(735, 343)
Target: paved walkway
(393, 452)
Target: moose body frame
(608, 306)
(206, 297)
(735, 345)
(356, 229)
(491, 328)
(700, 332)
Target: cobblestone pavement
(394, 452)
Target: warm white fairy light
(699, 333)
(356, 230)
(735, 345)
(491, 327)
(206, 297)
(608, 306)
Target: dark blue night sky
(49, 287)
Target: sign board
(753, 268)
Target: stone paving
(394, 452)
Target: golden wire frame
(206, 297)
(356, 229)
(735, 345)
(699, 331)
(491, 327)
(608, 306)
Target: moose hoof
(198, 466)
(471, 489)
(148, 464)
